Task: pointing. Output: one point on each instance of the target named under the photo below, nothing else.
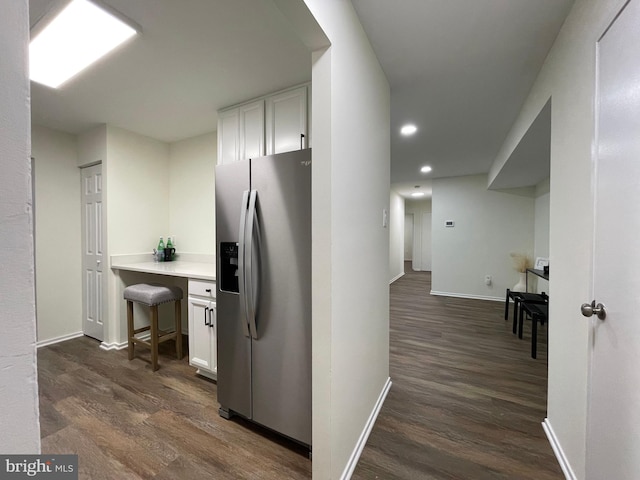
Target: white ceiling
(459, 69)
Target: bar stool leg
(506, 306)
(515, 314)
(521, 314)
(154, 337)
(178, 315)
(534, 335)
(130, 328)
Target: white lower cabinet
(203, 328)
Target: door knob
(589, 309)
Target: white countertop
(193, 266)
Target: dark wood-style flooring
(467, 399)
(466, 403)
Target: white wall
(18, 379)
(92, 146)
(568, 77)
(350, 248)
(58, 233)
(542, 202)
(422, 242)
(541, 231)
(137, 191)
(489, 225)
(396, 236)
(192, 193)
(408, 237)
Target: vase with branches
(521, 262)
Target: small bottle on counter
(170, 246)
(161, 250)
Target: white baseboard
(114, 345)
(122, 345)
(362, 441)
(464, 295)
(557, 450)
(62, 338)
(400, 275)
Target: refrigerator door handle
(250, 291)
(241, 264)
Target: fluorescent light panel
(417, 194)
(80, 35)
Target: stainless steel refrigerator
(263, 234)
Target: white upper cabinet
(228, 136)
(268, 125)
(286, 121)
(251, 130)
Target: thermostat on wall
(449, 223)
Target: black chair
(518, 297)
(538, 313)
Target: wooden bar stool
(152, 296)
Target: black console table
(539, 273)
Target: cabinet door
(200, 344)
(251, 117)
(228, 136)
(286, 120)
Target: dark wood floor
(467, 399)
(466, 403)
(126, 422)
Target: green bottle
(170, 245)
(161, 249)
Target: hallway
(467, 399)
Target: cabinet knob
(208, 290)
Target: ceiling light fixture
(417, 194)
(78, 36)
(425, 169)
(408, 130)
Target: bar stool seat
(152, 296)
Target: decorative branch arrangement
(521, 262)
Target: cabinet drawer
(202, 288)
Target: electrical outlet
(487, 280)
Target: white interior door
(92, 252)
(408, 237)
(426, 242)
(613, 430)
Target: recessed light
(417, 194)
(78, 36)
(408, 130)
(425, 169)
